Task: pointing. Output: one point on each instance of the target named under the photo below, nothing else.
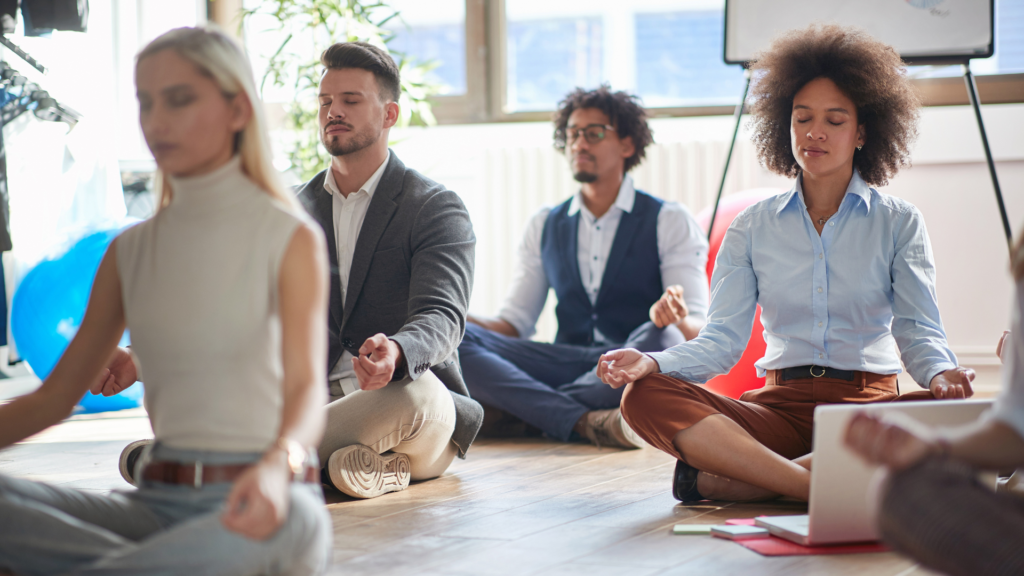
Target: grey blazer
(411, 278)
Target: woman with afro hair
(844, 275)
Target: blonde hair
(220, 58)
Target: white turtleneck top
(199, 285)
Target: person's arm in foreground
(258, 502)
(990, 444)
(86, 355)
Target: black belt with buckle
(812, 371)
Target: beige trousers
(413, 417)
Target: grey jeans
(157, 529)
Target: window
(435, 32)
(679, 60)
(670, 53)
(548, 58)
(516, 59)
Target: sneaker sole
(362, 473)
(123, 461)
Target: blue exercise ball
(48, 307)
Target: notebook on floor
(839, 511)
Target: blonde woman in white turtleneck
(225, 293)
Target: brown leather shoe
(607, 428)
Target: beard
(585, 177)
(581, 175)
(357, 141)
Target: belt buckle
(197, 480)
(817, 375)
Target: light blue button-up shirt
(844, 299)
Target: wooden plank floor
(514, 507)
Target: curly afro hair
(868, 72)
(625, 112)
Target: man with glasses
(625, 267)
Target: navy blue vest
(632, 277)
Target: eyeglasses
(593, 133)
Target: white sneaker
(360, 472)
(129, 457)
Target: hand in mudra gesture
(952, 384)
(670, 308)
(378, 359)
(620, 367)
(119, 374)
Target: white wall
(505, 172)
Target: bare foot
(721, 488)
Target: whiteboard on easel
(920, 30)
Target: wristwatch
(298, 456)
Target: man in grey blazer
(401, 251)
(401, 276)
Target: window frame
(485, 99)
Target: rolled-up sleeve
(529, 290)
(730, 318)
(683, 251)
(916, 325)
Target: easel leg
(972, 93)
(732, 144)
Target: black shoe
(684, 483)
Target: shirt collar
(857, 186)
(623, 201)
(370, 186)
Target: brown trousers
(780, 415)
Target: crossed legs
(736, 467)
(48, 529)
(744, 450)
(549, 386)
(412, 417)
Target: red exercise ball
(743, 376)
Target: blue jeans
(547, 385)
(157, 529)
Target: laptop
(839, 511)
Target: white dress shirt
(349, 213)
(682, 251)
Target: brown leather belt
(886, 382)
(198, 474)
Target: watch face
(296, 458)
(295, 461)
